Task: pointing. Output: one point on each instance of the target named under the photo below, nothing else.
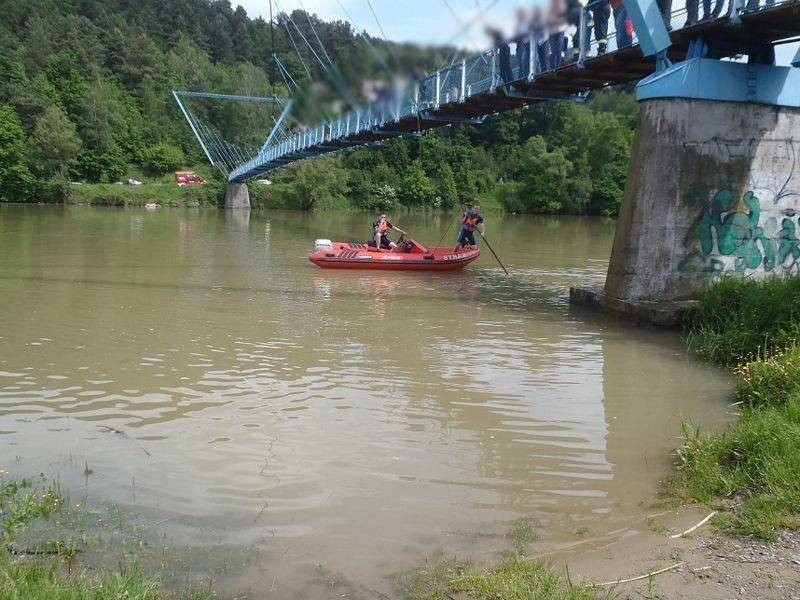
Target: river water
(312, 426)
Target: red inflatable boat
(409, 255)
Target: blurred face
(476, 208)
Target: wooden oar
(493, 252)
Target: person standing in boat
(472, 220)
(380, 233)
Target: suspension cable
(365, 37)
(314, 31)
(383, 33)
(272, 71)
(297, 50)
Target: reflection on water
(358, 420)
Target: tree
(416, 187)
(545, 178)
(101, 166)
(16, 181)
(161, 158)
(445, 184)
(319, 183)
(56, 141)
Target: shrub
(739, 320)
(161, 158)
(770, 382)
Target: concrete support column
(237, 196)
(713, 189)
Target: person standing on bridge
(500, 44)
(600, 15)
(523, 39)
(541, 37)
(472, 220)
(557, 23)
(622, 24)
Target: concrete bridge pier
(713, 189)
(237, 196)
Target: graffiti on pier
(744, 199)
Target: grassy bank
(752, 469)
(46, 564)
(163, 194)
(514, 579)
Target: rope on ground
(645, 576)
(698, 526)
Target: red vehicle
(187, 177)
(409, 255)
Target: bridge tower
(713, 187)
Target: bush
(275, 195)
(770, 382)
(739, 320)
(162, 158)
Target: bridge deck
(471, 90)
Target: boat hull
(361, 256)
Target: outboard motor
(322, 244)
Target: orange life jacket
(470, 220)
(382, 226)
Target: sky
(424, 21)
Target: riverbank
(154, 194)
(43, 539)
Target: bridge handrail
(481, 72)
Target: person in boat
(380, 233)
(472, 220)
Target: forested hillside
(85, 96)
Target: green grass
(755, 465)
(739, 321)
(519, 579)
(516, 578)
(165, 194)
(46, 570)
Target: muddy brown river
(279, 427)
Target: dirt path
(713, 567)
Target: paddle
(493, 252)
(439, 243)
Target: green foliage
(739, 320)
(101, 165)
(16, 181)
(516, 578)
(43, 578)
(547, 181)
(56, 141)
(90, 81)
(519, 579)
(416, 188)
(317, 184)
(21, 503)
(757, 460)
(161, 158)
(164, 194)
(772, 381)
